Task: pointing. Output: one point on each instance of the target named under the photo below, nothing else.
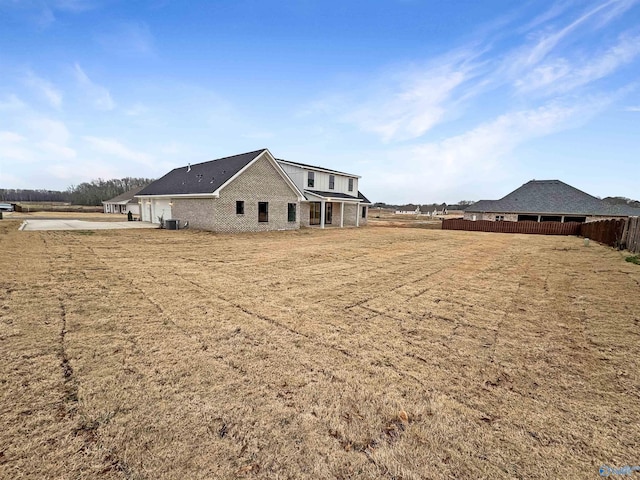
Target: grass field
(392, 353)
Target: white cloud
(49, 130)
(14, 147)
(84, 171)
(476, 155)
(113, 147)
(12, 102)
(136, 110)
(128, 39)
(45, 89)
(412, 101)
(634, 108)
(562, 75)
(99, 95)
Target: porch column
(322, 204)
(341, 214)
(357, 214)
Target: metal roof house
(254, 191)
(547, 201)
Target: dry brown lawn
(359, 353)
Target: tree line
(87, 193)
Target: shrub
(633, 259)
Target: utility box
(172, 224)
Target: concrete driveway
(61, 224)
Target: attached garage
(152, 209)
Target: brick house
(547, 201)
(254, 191)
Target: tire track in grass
(398, 370)
(69, 405)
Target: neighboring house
(254, 192)
(124, 203)
(547, 201)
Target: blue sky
(426, 100)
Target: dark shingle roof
(125, 197)
(551, 197)
(204, 177)
(360, 196)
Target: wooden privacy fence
(608, 232)
(631, 235)
(621, 234)
(539, 228)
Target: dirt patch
(355, 353)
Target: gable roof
(125, 197)
(551, 197)
(200, 178)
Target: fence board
(608, 232)
(633, 235)
(536, 228)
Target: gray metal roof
(551, 197)
(201, 178)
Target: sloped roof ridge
(255, 154)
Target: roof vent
(189, 167)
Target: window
(499, 218)
(527, 218)
(263, 211)
(575, 219)
(364, 212)
(291, 212)
(332, 181)
(351, 184)
(551, 218)
(311, 179)
(239, 207)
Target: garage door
(161, 208)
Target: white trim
(317, 169)
(182, 195)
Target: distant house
(547, 201)
(254, 191)
(124, 203)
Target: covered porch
(336, 212)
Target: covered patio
(333, 209)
